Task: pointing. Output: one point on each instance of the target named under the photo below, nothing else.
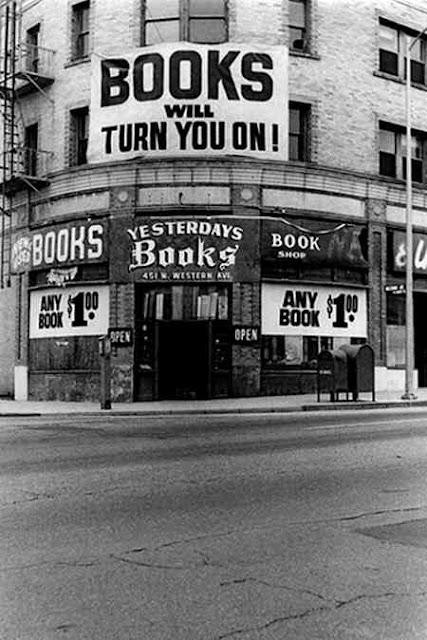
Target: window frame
(31, 145)
(78, 143)
(184, 19)
(80, 13)
(303, 136)
(32, 44)
(304, 28)
(418, 63)
(418, 164)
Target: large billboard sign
(190, 99)
(73, 311)
(313, 310)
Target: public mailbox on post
(332, 375)
(361, 369)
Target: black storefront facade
(185, 272)
(396, 302)
(217, 305)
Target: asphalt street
(250, 527)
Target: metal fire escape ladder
(9, 133)
(21, 72)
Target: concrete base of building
(392, 379)
(21, 382)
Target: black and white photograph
(213, 319)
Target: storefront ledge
(362, 404)
(321, 406)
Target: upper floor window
(298, 24)
(299, 120)
(32, 49)
(392, 50)
(203, 21)
(392, 153)
(80, 30)
(31, 143)
(79, 135)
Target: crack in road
(77, 563)
(31, 498)
(270, 623)
(379, 512)
(314, 610)
(152, 565)
(273, 586)
(52, 563)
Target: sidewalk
(264, 404)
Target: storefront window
(180, 302)
(299, 352)
(395, 330)
(294, 351)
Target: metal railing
(35, 60)
(33, 163)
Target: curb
(346, 406)
(332, 406)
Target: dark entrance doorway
(420, 337)
(183, 360)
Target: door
(420, 337)
(183, 360)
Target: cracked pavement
(268, 527)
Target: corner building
(218, 184)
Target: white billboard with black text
(314, 310)
(69, 311)
(190, 99)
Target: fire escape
(25, 68)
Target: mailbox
(332, 373)
(361, 368)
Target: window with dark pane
(79, 135)
(80, 30)
(418, 57)
(297, 24)
(389, 49)
(416, 156)
(298, 131)
(396, 313)
(31, 136)
(32, 49)
(393, 151)
(392, 51)
(388, 150)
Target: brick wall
(342, 81)
(339, 78)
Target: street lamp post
(409, 338)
